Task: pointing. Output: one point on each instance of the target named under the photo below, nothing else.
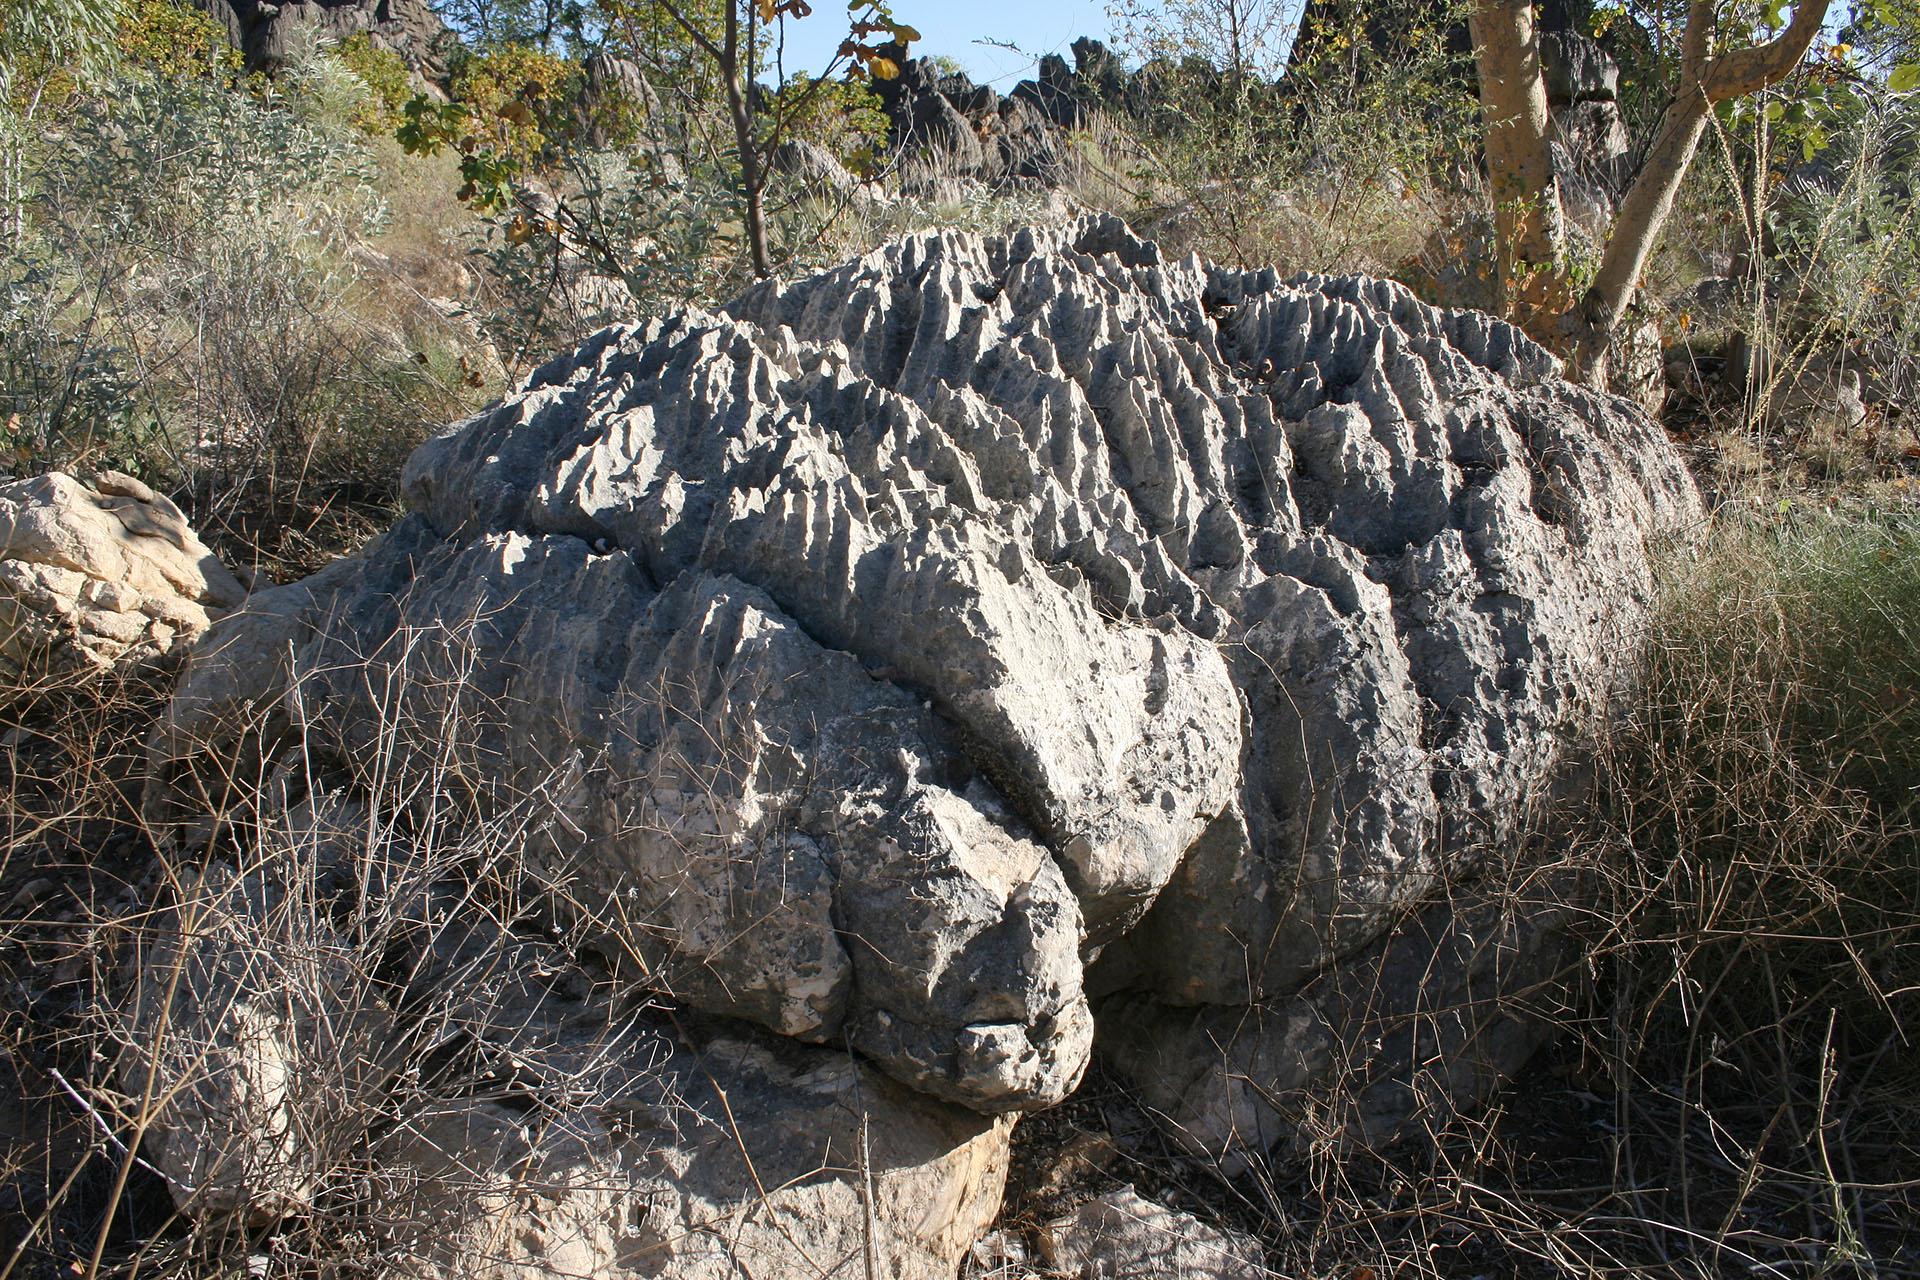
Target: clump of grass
(1759, 946)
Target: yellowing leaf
(884, 69)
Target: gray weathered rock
(92, 574)
(1427, 1021)
(1577, 69)
(1122, 1235)
(258, 1041)
(778, 835)
(261, 29)
(704, 1158)
(897, 639)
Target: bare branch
(1749, 70)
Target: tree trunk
(1586, 332)
(1528, 223)
(752, 175)
(1635, 229)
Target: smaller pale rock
(91, 575)
(1125, 1235)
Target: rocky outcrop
(951, 129)
(93, 574)
(715, 1155)
(906, 651)
(1592, 151)
(260, 29)
(1122, 1235)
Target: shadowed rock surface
(704, 1157)
(907, 648)
(261, 29)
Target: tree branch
(1748, 70)
(694, 33)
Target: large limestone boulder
(91, 574)
(911, 648)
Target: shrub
(175, 42)
(386, 78)
(184, 305)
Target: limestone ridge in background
(915, 647)
(260, 29)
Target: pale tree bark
(1530, 234)
(1704, 80)
(1529, 226)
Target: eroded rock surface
(92, 574)
(1122, 1235)
(897, 642)
(263, 29)
(716, 1156)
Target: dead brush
(1760, 956)
(235, 1014)
(1739, 1093)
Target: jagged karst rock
(260, 29)
(957, 132)
(95, 574)
(897, 641)
(1576, 69)
(1592, 151)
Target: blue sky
(1036, 26)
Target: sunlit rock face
(909, 650)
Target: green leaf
(1904, 78)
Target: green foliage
(844, 116)
(569, 28)
(389, 86)
(170, 40)
(486, 174)
(201, 326)
(508, 115)
(632, 233)
(1338, 162)
(57, 33)
(508, 92)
